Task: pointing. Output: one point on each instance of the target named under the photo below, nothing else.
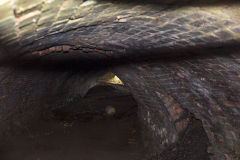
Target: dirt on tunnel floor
(99, 139)
(96, 140)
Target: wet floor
(94, 140)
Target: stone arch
(161, 116)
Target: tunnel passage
(54, 119)
(186, 54)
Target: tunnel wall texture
(103, 29)
(29, 95)
(206, 85)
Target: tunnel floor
(100, 139)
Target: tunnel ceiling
(102, 29)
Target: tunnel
(95, 116)
(116, 79)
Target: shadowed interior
(177, 60)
